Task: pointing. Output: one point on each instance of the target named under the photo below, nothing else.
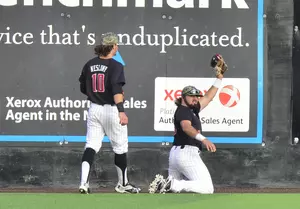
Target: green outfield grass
(147, 201)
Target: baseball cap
(191, 91)
(109, 38)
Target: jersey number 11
(98, 82)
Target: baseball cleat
(156, 184)
(84, 189)
(128, 188)
(166, 187)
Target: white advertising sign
(228, 112)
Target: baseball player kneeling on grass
(102, 79)
(184, 159)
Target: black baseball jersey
(186, 113)
(98, 77)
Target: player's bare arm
(118, 98)
(187, 127)
(211, 93)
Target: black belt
(104, 104)
(183, 146)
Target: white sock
(85, 170)
(120, 176)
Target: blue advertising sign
(44, 47)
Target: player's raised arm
(220, 67)
(211, 93)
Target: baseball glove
(218, 64)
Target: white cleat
(156, 184)
(128, 188)
(166, 187)
(84, 189)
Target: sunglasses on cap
(194, 92)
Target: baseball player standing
(184, 158)
(101, 80)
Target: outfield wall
(165, 46)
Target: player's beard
(189, 105)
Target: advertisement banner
(228, 112)
(165, 44)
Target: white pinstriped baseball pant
(104, 120)
(187, 163)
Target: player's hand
(209, 145)
(123, 118)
